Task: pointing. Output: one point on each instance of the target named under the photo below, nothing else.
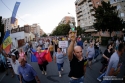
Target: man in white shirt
(15, 64)
(46, 45)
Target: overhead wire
(12, 11)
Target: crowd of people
(17, 62)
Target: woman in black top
(105, 58)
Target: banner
(63, 44)
(14, 12)
(6, 45)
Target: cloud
(25, 16)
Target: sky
(46, 13)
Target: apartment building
(35, 29)
(8, 25)
(85, 13)
(67, 19)
(120, 4)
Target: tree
(79, 30)
(44, 35)
(107, 18)
(1, 30)
(61, 29)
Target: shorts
(90, 59)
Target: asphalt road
(52, 72)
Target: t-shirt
(14, 65)
(107, 54)
(113, 63)
(59, 57)
(91, 52)
(76, 68)
(46, 44)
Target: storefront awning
(90, 30)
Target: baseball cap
(12, 54)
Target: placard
(63, 44)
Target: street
(52, 72)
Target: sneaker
(99, 79)
(60, 75)
(42, 72)
(61, 69)
(45, 73)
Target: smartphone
(72, 27)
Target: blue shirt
(27, 72)
(80, 43)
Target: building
(8, 25)
(67, 19)
(41, 32)
(84, 13)
(120, 4)
(35, 29)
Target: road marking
(2, 77)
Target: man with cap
(15, 63)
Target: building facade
(67, 19)
(120, 4)
(41, 32)
(35, 29)
(84, 13)
(8, 25)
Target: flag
(47, 56)
(6, 44)
(33, 57)
(14, 12)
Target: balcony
(91, 8)
(81, 2)
(78, 11)
(90, 3)
(92, 12)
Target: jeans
(79, 80)
(60, 65)
(101, 76)
(97, 51)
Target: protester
(27, 72)
(77, 62)
(59, 59)
(22, 54)
(113, 62)
(51, 49)
(15, 64)
(105, 58)
(90, 54)
(80, 43)
(42, 62)
(46, 45)
(96, 47)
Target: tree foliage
(61, 29)
(1, 30)
(44, 35)
(107, 18)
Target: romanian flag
(47, 56)
(7, 42)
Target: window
(97, 2)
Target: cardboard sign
(63, 44)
